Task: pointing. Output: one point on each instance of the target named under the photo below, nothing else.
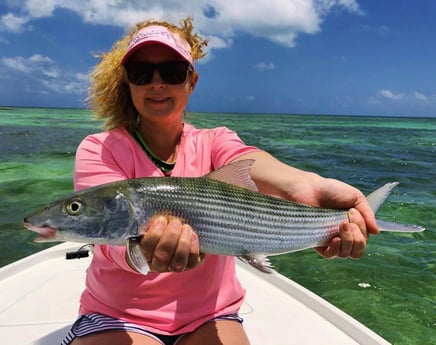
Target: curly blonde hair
(109, 93)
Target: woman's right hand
(170, 245)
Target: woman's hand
(351, 241)
(354, 233)
(169, 245)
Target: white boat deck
(39, 301)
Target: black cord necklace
(163, 166)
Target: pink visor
(158, 34)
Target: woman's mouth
(158, 99)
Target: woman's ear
(194, 80)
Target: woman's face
(158, 100)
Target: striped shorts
(95, 323)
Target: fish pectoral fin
(258, 261)
(136, 256)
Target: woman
(141, 89)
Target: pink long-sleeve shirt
(166, 303)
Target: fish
(224, 207)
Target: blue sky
(364, 57)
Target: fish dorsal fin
(378, 197)
(237, 173)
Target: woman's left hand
(353, 234)
(276, 178)
(351, 241)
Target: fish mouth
(45, 232)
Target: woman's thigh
(219, 332)
(115, 338)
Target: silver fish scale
(234, 221)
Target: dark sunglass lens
(173, 72)
(139, 73)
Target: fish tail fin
(135, 254)
(258, 261)
(377, 198)
(395, 227)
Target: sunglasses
(172, 72)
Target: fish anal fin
(236, 173)
(258, 261)
(136, 256)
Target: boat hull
(43, 292)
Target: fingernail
(350, 214)
(157, 223)
(176, 268)
(160, 220)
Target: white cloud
(13, 23)
(215, 42)
(381, 30)
(40, 59)
(389, 95)
(327, 5)
(43, 75)
(388, 101)
(264, 66)
(34, 64)
(403, 97)
(280, 21)
(16, 64)
(420, 96)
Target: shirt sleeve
(95, 164)
(227, 146)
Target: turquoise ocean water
(392, 289)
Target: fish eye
(74, 207)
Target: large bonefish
(223, 207)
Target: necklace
(163, 166)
